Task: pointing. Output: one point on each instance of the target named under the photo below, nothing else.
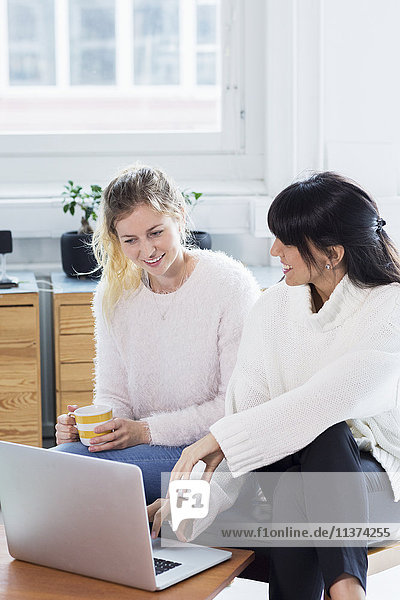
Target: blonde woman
(168, 321)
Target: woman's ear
(336, 254)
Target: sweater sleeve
(361, 383)
(110, 373)
(224, 491)
(185, 426)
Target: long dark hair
(328, 210)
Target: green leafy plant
(191, 198)
(89, 202)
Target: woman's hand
(157, 513)
(66, 431)
(161, 510)
(206, 449)
(126, 433)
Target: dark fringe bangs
(289, 220)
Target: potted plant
(76, 252)
(201, 239)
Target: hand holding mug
(66, 431)
(125, 433)
(79, 423)
(95, 427)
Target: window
(206, 44)
(156, 42)
(208, 127)
(92, 47)
(111, 65)
(31, 43)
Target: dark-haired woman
(318, 349)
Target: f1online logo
(190, 499)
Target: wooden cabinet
(73, 341)
(20, 394)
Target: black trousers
(302, 573)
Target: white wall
(333, 101)
(362, 92)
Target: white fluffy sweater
(300, 372)
(173, 373)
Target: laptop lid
(80, 514)
(87, 515)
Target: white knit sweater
(173, 373)
(300, 372)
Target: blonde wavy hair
(134, 186)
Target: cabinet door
(20, 402)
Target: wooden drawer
(76, 348)
(18, 352)
(79, 398)
(18, 376)
(76, 318)
(17, 325)
(19, 417)
(76, 377)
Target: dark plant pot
(200, 239)
(77, 256)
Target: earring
(328, 267)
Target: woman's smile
(286, 268)
(154, 262)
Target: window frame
(229, 140)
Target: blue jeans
(152, 460)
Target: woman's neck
(316, 297)
(321, 292)
(175, 276)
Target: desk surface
(26, 283)
(24, 581)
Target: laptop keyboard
(162, 565)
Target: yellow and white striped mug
(89, 417)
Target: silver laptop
(88, 515)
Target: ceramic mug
(89, 417)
